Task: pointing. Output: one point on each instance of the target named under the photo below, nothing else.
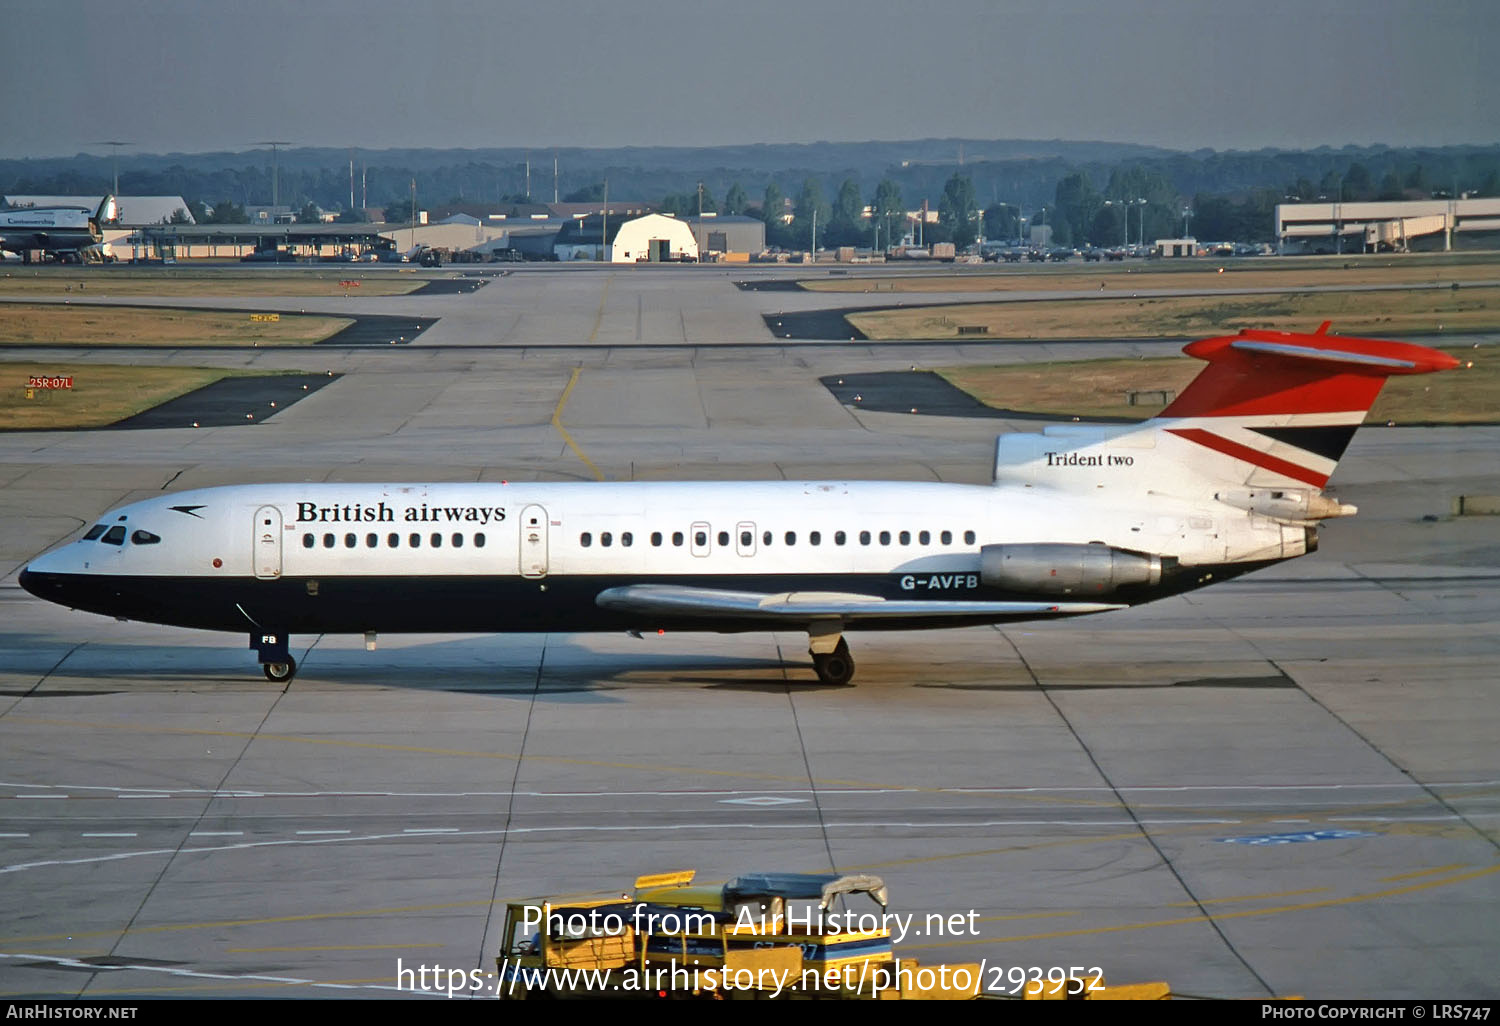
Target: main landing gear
(276, 662)
(831, 658)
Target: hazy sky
(196, 75)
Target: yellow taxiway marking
(1423, 872)
(422, 750)
(557, 416)
(1353, 899)
(599, 317)
(306, 917)
(1247, 897)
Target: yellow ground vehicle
(763, 935)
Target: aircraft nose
(43, 577)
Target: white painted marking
(137, 795)
(217, 833)
(430, 830)
(73, 963)
(32, 796)
(109, 835)
(15, 835)
(1148, 788)
(765, 799)
(313, 833)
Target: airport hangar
(1282, 785)
(646, 238)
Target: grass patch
(1097, 388)
(113, 283)
(101, 394)
(55, 325)
(1198, 274)
(1418, 311)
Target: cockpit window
(95, 532)
(144, 538)
(115, 535)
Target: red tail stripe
(1243, 452)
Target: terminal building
(1399, 225)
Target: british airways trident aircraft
(1080, 519)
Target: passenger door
(533, 542)
(268, 543)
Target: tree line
(1082, 194)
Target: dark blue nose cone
(28, 580)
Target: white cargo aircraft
(1079, 519)
(63, 231)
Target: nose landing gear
(280, 673)
(276, 662)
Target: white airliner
(64, 231)
(1079, 519)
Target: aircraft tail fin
(1262, 426)
(1279, 408)
(108, 211)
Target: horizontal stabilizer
(669, 600)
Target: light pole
(114, 159)
(275, 172)
(1126, 205)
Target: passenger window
(864, 537)
(372, 540)
(606, 539)
(656, 539)
(838, 537)
(724, 539)
(968, 537)
(885, 537)
(946, 537)
(114, 536)
(925, 538)
(308, 541)
(392, 540)
(144, 538)
(457, 540)
(95, 532)
(350, 541)
(328, 541)
(765, 537)
(814, 538)
(701, 538)
(437, 540)
(479, 540)
(677, 538)
(747, 538)
(627, 539)
(904, 537)
(585, 539)
(414, 540)
(791, 537)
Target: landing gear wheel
(836, 667)
(280, 673)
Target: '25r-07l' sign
(55, 381)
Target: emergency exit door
(533, 542)
(267, 543)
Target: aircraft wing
(796, 607)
